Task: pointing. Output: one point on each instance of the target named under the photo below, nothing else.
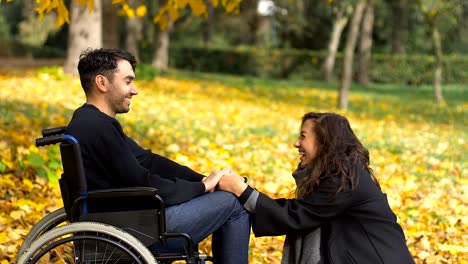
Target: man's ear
(101, 83)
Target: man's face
(307, 143)
(122, 88)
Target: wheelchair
(101, 226)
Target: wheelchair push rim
(109, 245)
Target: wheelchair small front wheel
(86, 242)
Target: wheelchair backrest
(138, 210)
(73, 181)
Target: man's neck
(101, 106)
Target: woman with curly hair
(340, 214)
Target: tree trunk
(208, 25)
(161, 54)
(134, 27)
(301, 6)
(365, 46)
(351, 39)
(84, 32)
(463, 28)
(133, 35)
(339, 24)
(438, 61)
(250, 15)
(400, 25)
(110, 23)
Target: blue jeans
(218, 213)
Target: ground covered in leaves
(418, 150)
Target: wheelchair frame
(127, 219)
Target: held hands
(212, 181)
(225, 180)
(233, 182)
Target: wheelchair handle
(53, 131)
(40, 142)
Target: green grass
(416, 103)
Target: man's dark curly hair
(340, 154)
(95, 62)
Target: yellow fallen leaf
(3, 238)
(182, 158)
(14, 234)
(6, 180)
(463, 181)
(271, 187)
(423, 254)
(18, 214)
(28, 185)
(453, 249)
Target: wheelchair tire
(105, 235)
(50, 221)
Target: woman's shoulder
(361, 178)
(366, 187)
(364, 175)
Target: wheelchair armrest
(123, 192)
(137, 210)
(118, 199)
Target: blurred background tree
(4, 29)
(435, 13)
(399, 27)
(33, 31)
(279, 39)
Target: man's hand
(212, 181)
(234, 183)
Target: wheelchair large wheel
(86, 242)
(52, 220)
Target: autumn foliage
(170, 10)
(418, 151)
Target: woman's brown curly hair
(340, 153)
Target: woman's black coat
(356, 227)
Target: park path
(12, 62)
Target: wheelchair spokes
(87, 242)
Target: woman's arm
(280, 216)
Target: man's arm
(126, 170)
(161, 165)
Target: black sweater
(113, 160)
(356, 227)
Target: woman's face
(307, 143)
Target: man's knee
(229, 199)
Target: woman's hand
(234, 183)
(212, 181)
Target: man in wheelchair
(113, 160)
